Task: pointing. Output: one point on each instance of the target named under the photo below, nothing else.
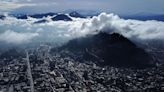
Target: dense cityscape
(41, 71)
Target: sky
(122, 7)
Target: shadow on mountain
(108, 49)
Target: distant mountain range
(145, 17)
(60, 16)
(54, 16)
(34, 15)
(77, 14)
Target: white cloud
(58, 31)
(16, 38)
(134, 29)
(7, 6)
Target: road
(29, 72)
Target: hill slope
(108, 49)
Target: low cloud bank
(12, 37)
(24, 31)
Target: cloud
(15, 0)
(61, 31)
(133, 29)
(8, 6)
(12, 37)
(122, 7)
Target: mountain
(43, 15)
(41, 21)
(55, 18)
(35, 15)
(108, 49)
(2, 17)
(76, 14)
(145, 17)
(22, 17)
(61, 17)
(85, 13)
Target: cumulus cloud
(16, 38)
(134, 29)
(61, 31)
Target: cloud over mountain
(59, 31)
(143, 30)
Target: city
(42, 71)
